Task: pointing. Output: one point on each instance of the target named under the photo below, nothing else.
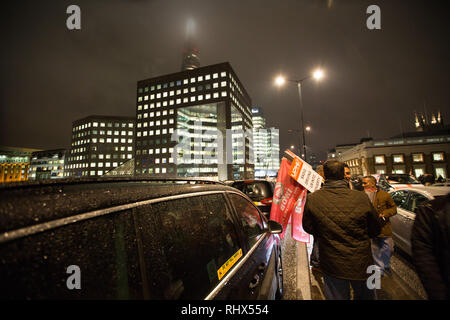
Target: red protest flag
(285, 196)
(297, 217)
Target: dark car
(136, 239)
(259, 191)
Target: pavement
(304, 283)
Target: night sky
(375, 79)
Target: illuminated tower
(190, 58)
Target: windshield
(255, 190)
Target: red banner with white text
(286, 201)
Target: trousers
(339, 289)
(382, 249)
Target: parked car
(407, 201)
(259, 191)
(446, 183)
(388, 182)
(136, 239)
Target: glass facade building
(266, 146)
(194, 123)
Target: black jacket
(342, 221)
(430, 241)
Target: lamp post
(280, 81)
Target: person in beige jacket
(382, 245)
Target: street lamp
(317, 74)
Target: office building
(266, 146)
(14, 163)
(194, 123)
(99, 145)
(47, 164)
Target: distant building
(266, 146)
(416, 153)
(99, 144)
(47, 164)
(191, 59)
(337, 151)
(14, 163)
(199, 106)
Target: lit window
(223, 83)
(207, 77)
(417, 157)
(223, 74)
(200, 78)
(216, 95)
(438, 156)
(215, 75)
(397, 158)
(215, 85)
(224, 94)
(192, 80)
(185, 81)
(379, 159)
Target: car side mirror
(275, 227)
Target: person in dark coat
(430, 241)
(342, 221)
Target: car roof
(25, 204)
(429, 191)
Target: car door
(189, 246)
(415, 199)
(400, 221)
(257, 278)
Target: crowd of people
(353, 235)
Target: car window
(415, 200)
(400, 198)
(255, 190)
(249, 217)
(186, 245)
(103, 248)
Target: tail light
(267, 201)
